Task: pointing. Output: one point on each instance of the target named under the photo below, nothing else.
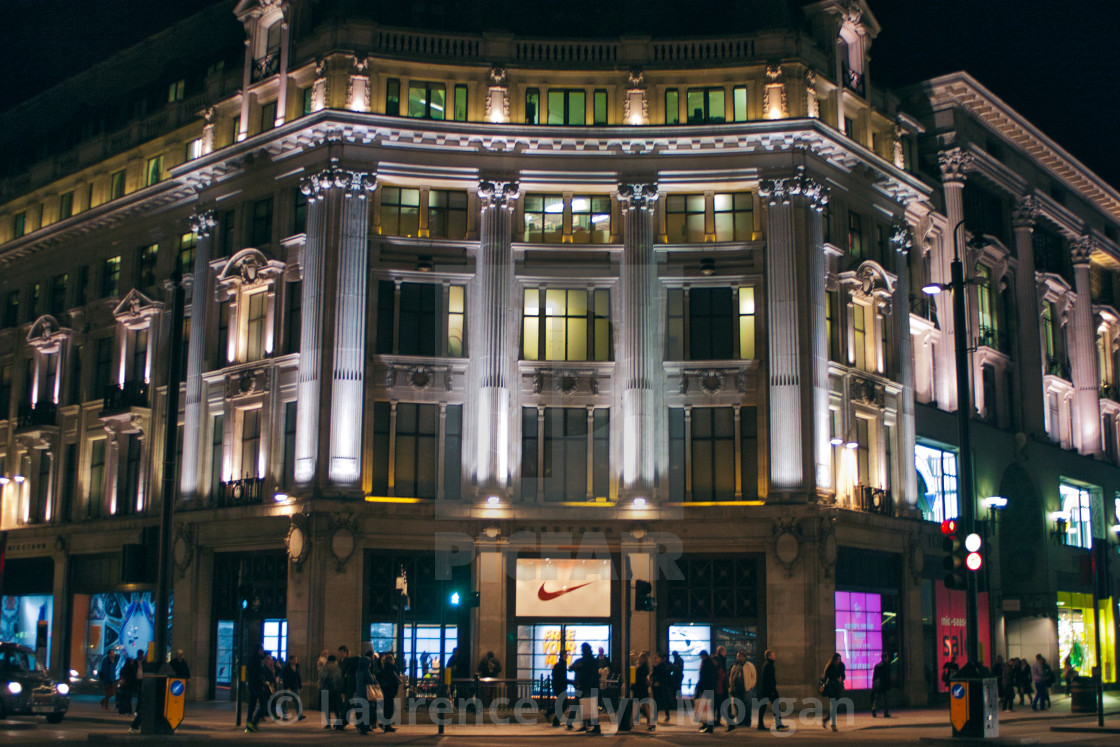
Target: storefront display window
(1077, 504)
(26, 620)
(951, 638)
(689, 639)
(539, 645)
(859, 634)
(1076, 635)
(122, 620)
(937, 482)
(420, 637)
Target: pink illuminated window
(859, 635)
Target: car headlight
(63, 688)
(73, 674)
(15, 688)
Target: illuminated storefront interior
(1076, 638)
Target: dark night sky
(1052, 60)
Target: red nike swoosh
(546, 596)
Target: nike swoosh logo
(547, 596)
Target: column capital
(353, 183)
(783, 190)
(901, 238)
(1026, 212)
(954, 164)
(637, 196)
(1082, 248)
(202, 222)
(497, 194)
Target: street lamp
(965, 487)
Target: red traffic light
(973, 561)
(949, 526)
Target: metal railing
(131, 394)
(853, 80)
(37, 415)
(247, 491)
(1056, 366)
(876, 500)
(265, 66)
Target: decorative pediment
(46, 334)
(870, 281)
(247, 268)
(135, 310)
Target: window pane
(672, 107)
(715, 105)
(600, 107)
(556, 101)
(460, 103)
(740, 103)
(577, 108)
(437, 103)
(417, 100)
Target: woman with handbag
(366, 690)
(832, 687)
(390, 682)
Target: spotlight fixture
(493, 500)
(424, 263)
(707, 266)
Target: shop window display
(26, 620)
(859, 635)
(1075, 635)
(121, 620)
(539, 645)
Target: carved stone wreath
(712, 381)
(420, 378)
(182, 550)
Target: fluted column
(818, 277)
(202, 223)
(1029, 363)
(1084, 359)
(902, 242)
(494, 268)
(347, 380)
(639, 345)
(954, 163)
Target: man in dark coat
(348, 665)
(292, 679)
(258, 695)
(560, 689)
(768, 693)
(586, 668)
(881, 686)
(705, 691)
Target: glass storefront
(860, 619)
(124, 620)
(539, 645)
(1076, 635)
(423, 638)
(26, 620)
(689, 639)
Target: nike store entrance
(561, 603)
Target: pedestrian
(1038, 676)
(108, 676)
(271, 684)
(1007, 685)
(1023, 681)
(832, 687)
(1048, 680)
(741, 680)
(330, 691)
(128, 686)
(363, 689)
(293, 681)
(640, 692)
(881, 686)
(949, 671)
(704, 696)
(390, 682)
(321, 662)
(768, 693)
(1068, 673)
(256, 682)
(348, 666)
(560, 690)
(661, 682)
(719, 658)
(180, 666)
(587, 683)
(678, 676)
(134, 727)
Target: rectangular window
(177, 91)
(859, 635)
(988, 332)
(855, 235)
(453, 452)
(76, 393)
(226, 234)
(705, 106)
(684, 219)
(34, 309)
(255, 342)
(739, 103)
(421, 319)
(859, 336)
(306, 100)
(268, 116)
(110, 277)
(567, 106)
(217, 459)
(19, 224)
(565, 451)
(260, 232)
(566, 325)
(393, 97)
(96, 500)
(427, 100)
(746, 323)
(591, 219)
(544, 218)
(849, 127)
(146, 266)
(237, 129)
(937, 483)
(193, 149)
(1048, 337)
(250, 443)
(447, 214)
(58, 294)
(456, 320)
(1077, 504)
(103, 367)
(139, 369)
(153, 171)
(65, 205)
(532, 106)
(187, 243)
(299, 211)
(599, 107)
(81, 283)
(460, 112)
(288, 475)
(672, 106)
(294, 331)
(116, 185)
(710, 319)
(417, 439)
(129, 497)
(400, 211)
(11, 308)
(734, 216)
(222, 348)
(5, 391)
(713, 454)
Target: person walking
(271, 684)
(1048, 681)
(293, 682)
(881, 686)
(678, 677)
(363, 686)
(348, 666)
(741, 680)
(641, 692)
(1023, 681)
(180, 666)
(128, 687)
(330, 691)
(768, 693)
(587, 682)
(1038, 676)
(704, 697)
(832, 687)
(255, 680)
(1068, 673)
(661, 682)
(390, 684)
(559, 685)
(108, 676)
(719, 658)
(1007, 685)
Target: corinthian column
(1084, 358)
(902, 242)
(1031, 398)
(202, 224)
(817, 197)
(347, 378)
(954, 163)
(639, 345)
(494, 268)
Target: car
(26, 689)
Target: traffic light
(954, 555)
(643, 602)
(454, 599)
(244, 594)
(973, 543)
(462, 599)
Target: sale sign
(951, 639)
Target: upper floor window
(739, 103)
(1077, 505)
(268, 116)
(713, 453)
(116, 184)
(427, 100)
(705, 106)
(566, 325)
(177, 91)
(66, 205)
(734, 216)
(408, 441)
(58, 293)
(299, 211)
(447, 214)
(567, 106)
(672, 106)
(577, 219)
(256, 327)
(146, 265)
(937, 482)
(1052, 347)
(558, 446)
(260, 230)
(459, 108)
(855, 235)
(421, 319)
(19, 224)
(544, 218)
(400, 211)
(187, 243)
(153, 171)
(599, 107)
(110, 277)
(684, 219)
(988, 332)
(393, 97)
(532, 106)
(710, 324)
